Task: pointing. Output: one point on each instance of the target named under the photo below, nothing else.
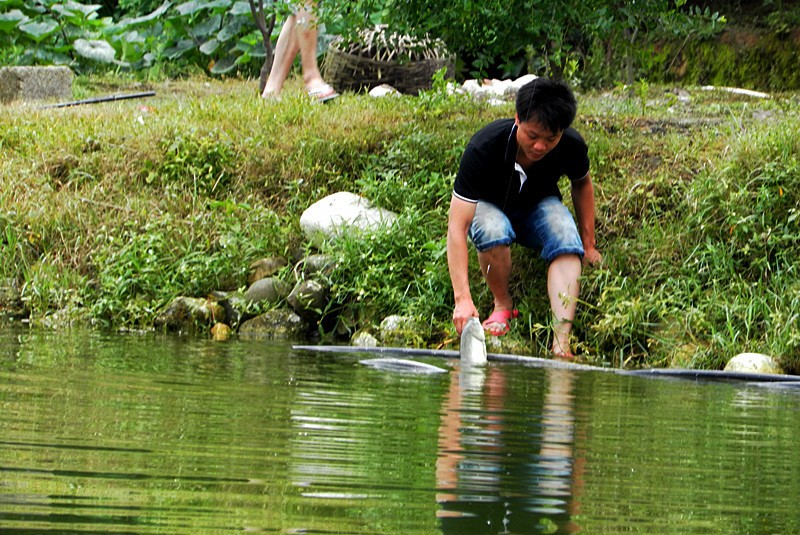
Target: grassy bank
(109, 211)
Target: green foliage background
(596, 41)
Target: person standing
(506, 191)
(298, 35)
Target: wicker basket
(405, 63)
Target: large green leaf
(256, 51)
(132, 37)
(95, 50)
(179, 49)
(207, 28)
(39, 30)
(74, 9)
(209, 47)
(240, 8)
(189, 8)
(125, 23)
(231, 30)
(224, 65)
(10, 20)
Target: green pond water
(147, 434)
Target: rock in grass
(315, 264)
(364, 339)
(11, 304)
(342, 213)
(753, 363)
(308, 299)
(265, 267)
(402, 331)
(269, 291)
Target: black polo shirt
(487, 171)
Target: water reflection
(498, 476)
(150, 434)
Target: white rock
(341, 213)
(383, 90)
(495, 90)
(471, 86)
(364, 339)
(522, 80)
(753, 363)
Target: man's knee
(490, 228)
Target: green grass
(114, 209)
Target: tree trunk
(266, 34)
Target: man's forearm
(583, 201)
(457, 264)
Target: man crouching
(506, 191)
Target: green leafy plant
(217, 35)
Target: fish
(402, 365)
(473, 343)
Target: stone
(383, 90)
(364, 339)
(308, 299)
(265, 267)
(35, 83)
(269, 291)
(400, 331)
(65, 318)
(341, 213)
(510, 344)
(187, 313)
(317, 264)
(497, 92)
(277, 324)
(753, 363)
(237, 308)
(11, 304)
(220, 332)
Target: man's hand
(462, 313)
(592, 256)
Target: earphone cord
(510, 181)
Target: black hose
(782, 381)
(99, 99)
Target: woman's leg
(286, 49)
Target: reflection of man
(507, 191)
(492, 476)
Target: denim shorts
(549, 228)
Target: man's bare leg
(563, 288)
(496, 267)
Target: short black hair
(549, 102)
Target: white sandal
(322, 93)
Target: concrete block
(35, 83)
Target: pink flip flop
(503, 319)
